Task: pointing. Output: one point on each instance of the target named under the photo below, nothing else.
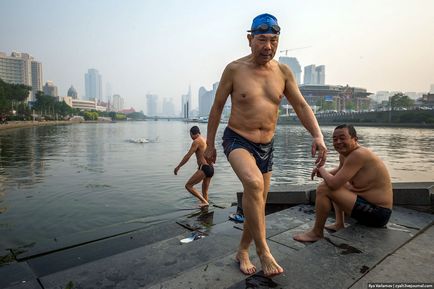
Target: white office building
(151, 104)
(93, 85)
(21, 68)
(293, 63)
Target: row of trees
(13, 104)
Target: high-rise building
(168, 107)
(310, 74)
(118, 103)
(186, 104)
(93, 86)
(72, 92)
(431, 89)
(206, 99)
(50, 89)
(314, 75)
(36, 78)
(151, 104)
(320, 74)
(293, 63)
(20, 68)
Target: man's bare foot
(270, 266)
(308, 236)
(335, 226)
(201, 205)
(246, 266)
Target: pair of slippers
(236, 217)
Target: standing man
(360, 187)
(204, 172)
(257, 83)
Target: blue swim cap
(265, 24)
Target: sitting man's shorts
(370, 215)
(263, 153)
(207, 169)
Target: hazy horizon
(162, 47)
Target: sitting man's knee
(323, 190)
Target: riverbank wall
(399, 118)
(161, 256)
(24, 124)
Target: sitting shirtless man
(204, 171)
(359, 187)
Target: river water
(61, 180)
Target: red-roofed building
(127, 110)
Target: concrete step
(344, 257)
(223, 271)
(338, 261)
(70, 251)
(148, 265)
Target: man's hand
(315, 172)
(175, 171)
(210, 154)
(319, 145)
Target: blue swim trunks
(263, 153)
(370, 215)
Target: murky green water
(60, 180)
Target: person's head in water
(194, 132)
(264, 38)
(345, 139)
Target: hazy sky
(161, 46)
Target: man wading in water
(204, 171)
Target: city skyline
(152, 48)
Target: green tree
(44, 104)
(136, 116)
(400, 100)
(13, 97)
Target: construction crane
(296, 48)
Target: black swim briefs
(208, 170)
(263, 153)
(369, 214)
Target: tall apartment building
(151, 104)
(168, 107)
(320, 74)
(314, 75)
(36, 78)
(21, 68)
(186, 104)
(93, 85)
(293, 63)
(309, 74)
(118, 103)
(206, 99)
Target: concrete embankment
(131, 256)
(23, 124)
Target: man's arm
(305, 114)
(191, 151)
(223, 91)
(351, 165)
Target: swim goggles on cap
(261, 29)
